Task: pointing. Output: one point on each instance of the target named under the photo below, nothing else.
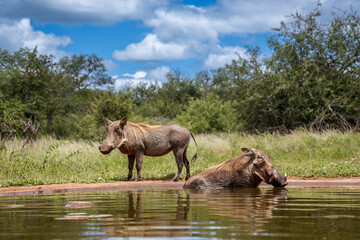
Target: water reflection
(219, 214)
(245, 204)
(146, 219)
(151, 216)
(249, 208)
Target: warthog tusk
(285, 175)
(112, 145)
(259, 176)
(121, 143)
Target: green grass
(300, 154)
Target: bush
(113, 106)
(11, 114)
(76, 126)
(208, 114)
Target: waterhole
(294, 213)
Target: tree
(113, 105)
(85, 71)
(44, 89)
(316, 67)
(33, 80)
(175, 94)
(165, 100)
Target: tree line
(310, 79)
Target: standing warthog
(138, 139)
(247, 170)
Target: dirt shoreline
(353, 182)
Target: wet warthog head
(115, 136)
(263, 168)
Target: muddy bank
(119, 186)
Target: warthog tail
(195, 156)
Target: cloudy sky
(141, 40)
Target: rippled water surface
(294, 213)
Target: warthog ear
(107, 121)
(249, 151)
(123, 122)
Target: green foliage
(311, 79)
(34, 86)
(209, 114)
(85, 71)
(113, 105)
(30, 80)
(176, 93)
(315, 67)
(10, 115)
(75, 126)
(167, 99)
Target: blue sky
(141, 40)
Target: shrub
(208, 114)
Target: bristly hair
(243, 160)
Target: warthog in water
(138, 139)
(245, 171)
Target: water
(294, 213)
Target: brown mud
(353, 182)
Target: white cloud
(78, 12)
(186, 31)
(110, 65)
(137, 75)
(193, 7)
(151, 49)
(121, 81)
(159, 73)
(226, 17)
(183, 25)
(249, 12)
(17, 34)
(130, 79)
(154, 75)
(223, 56)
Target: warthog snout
(106, 150)
(264, 168)
(278, 180)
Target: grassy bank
(301, 154)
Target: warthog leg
(187, 165)
(131, 160)
(139, 160)
(178, 153)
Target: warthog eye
(260, 161)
